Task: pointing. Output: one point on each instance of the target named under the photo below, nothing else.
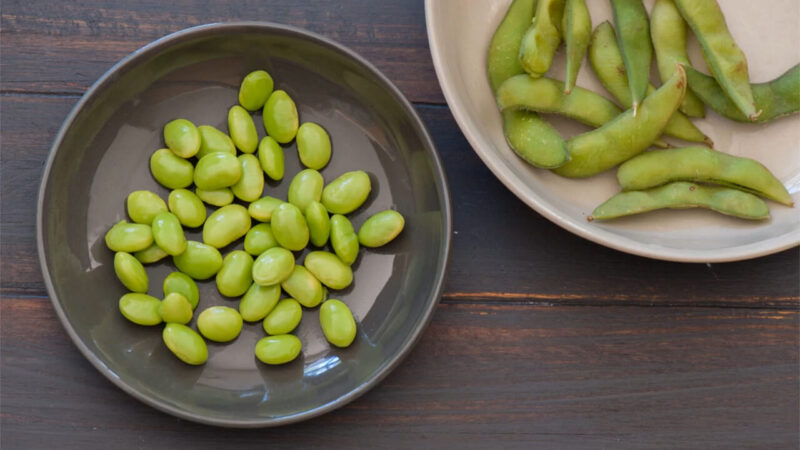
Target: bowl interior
(459, 38)
(103, 154)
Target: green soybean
(725, 59)
(251, 184)
(242, 129)
(343, 239)
(346, 193)
(236, 274)
(168, 233)
(304, 287)
(533, 139)
(129, 237)
(284, 317)
(259, 239)
(214, 141)
(280, 117)
(276, 350)
(180, 283)
(319, 224)
(681, 195)
(216, 171)
(502, 59)
(668, 31)
(273, 266)
(543, 37)
(289, 227)
(170, 170)
(182, 137)
(262, 208)
(776, 98)
(337, 323)
(255, 90)
(130, 272)
(329, 269)
(175, 309)
(185, 344)
(313, 145)
(270, 155)
(141, 309)
(305, 188)
(381, 228)
(577, 27)
(199, 261)
(701, 164)
(258, 301)
(151, 254)
(187, 207)
(627, 135)
(635, 46)
(144, 205)
(215, 197)
(219, 323)
(226, 225)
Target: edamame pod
(503, 56)
(319, 224)
(219, 323)
(343, 239)
(179, 282)
(129, 237)
(329, 269)
(635, 46)
(236, 274)
(226, 225)
(275, 350)
(255, 90)
(273, 266)
(381, 228)
(259, 239)
(170, 170)
(151, 254)
(313, 146)
(143, 206)
(262, 208)
(289, 227)
(175, 309)
(168, 233)
(141, 309)
(680, 195)
(542, 39)
(270, 155)
(185, 344)
(305, 188)
(701, 164)
(251, 184)
(533, 139)
(668, 31)
(284, 317)
(199, 261)
(258, 301)
(280, 117)
(347, 193)
(187, 207)
(215, 197)
(182, 138)
(776, 98)
(213, 141)
(130, 272)
(725, 59)
(337, 323)
(304, 287)
(627, 135)
(577, 27)
(216, 171)
(242, 129)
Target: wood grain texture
(482, 376)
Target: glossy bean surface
(313, 146)
(344, 239)
(262, 208)
(217, 171)
(280, 117)
(168, 233)
(175, 309)
(236, 274)
(276, 350)
(337, 322)
(213, 140)
(179, 282)
(219, 323)
(251, 184)
(305, 188)
(271, 158)
(258, 301)
(130, 272)
(381, 228)
(226, 225)
(329, 269)
(284, 317)
(199, 261)
(143, 206)
(319, 223)
(304, 287)
(259, 239)
(185, 344)
(289, 227)
(347, 193)
(182, 137)
(242, 129)
(151, 254)
(141, 309)
(128, 237)
(255, 90)
(187, 207)
(170, 170)
(273, 266)
(215, 197)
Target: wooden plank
(530, 261)
(482, 376)
(65, 46)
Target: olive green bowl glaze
(102, 153)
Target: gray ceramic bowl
(101, 154)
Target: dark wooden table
(541, 338)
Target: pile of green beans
(228, 175)
(524, 46)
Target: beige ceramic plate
(459, 32)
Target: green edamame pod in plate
(130, 272)
(280, 349)
(503, 56)
(185, 344)
(313, 146)
(214, 141)
(199, 261)
(217, 170)
(182, 137)
(187, 207)
(576, 27)
(280, 117)
(319, 223)
(236, 274)
(634, 43)
(242, 129)
(170, 170)
(141, 309)
(251, 184)
(129, 237)
(143, 206)
(381, 228)
(270, 155)
(258, 301)
(337, 322)
(226, 225)
(255, 90)
(304, 287)
(543, 37)
(168, 233)
(179, 282)
(219, 323)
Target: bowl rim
(518, 187)
(440, 181)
